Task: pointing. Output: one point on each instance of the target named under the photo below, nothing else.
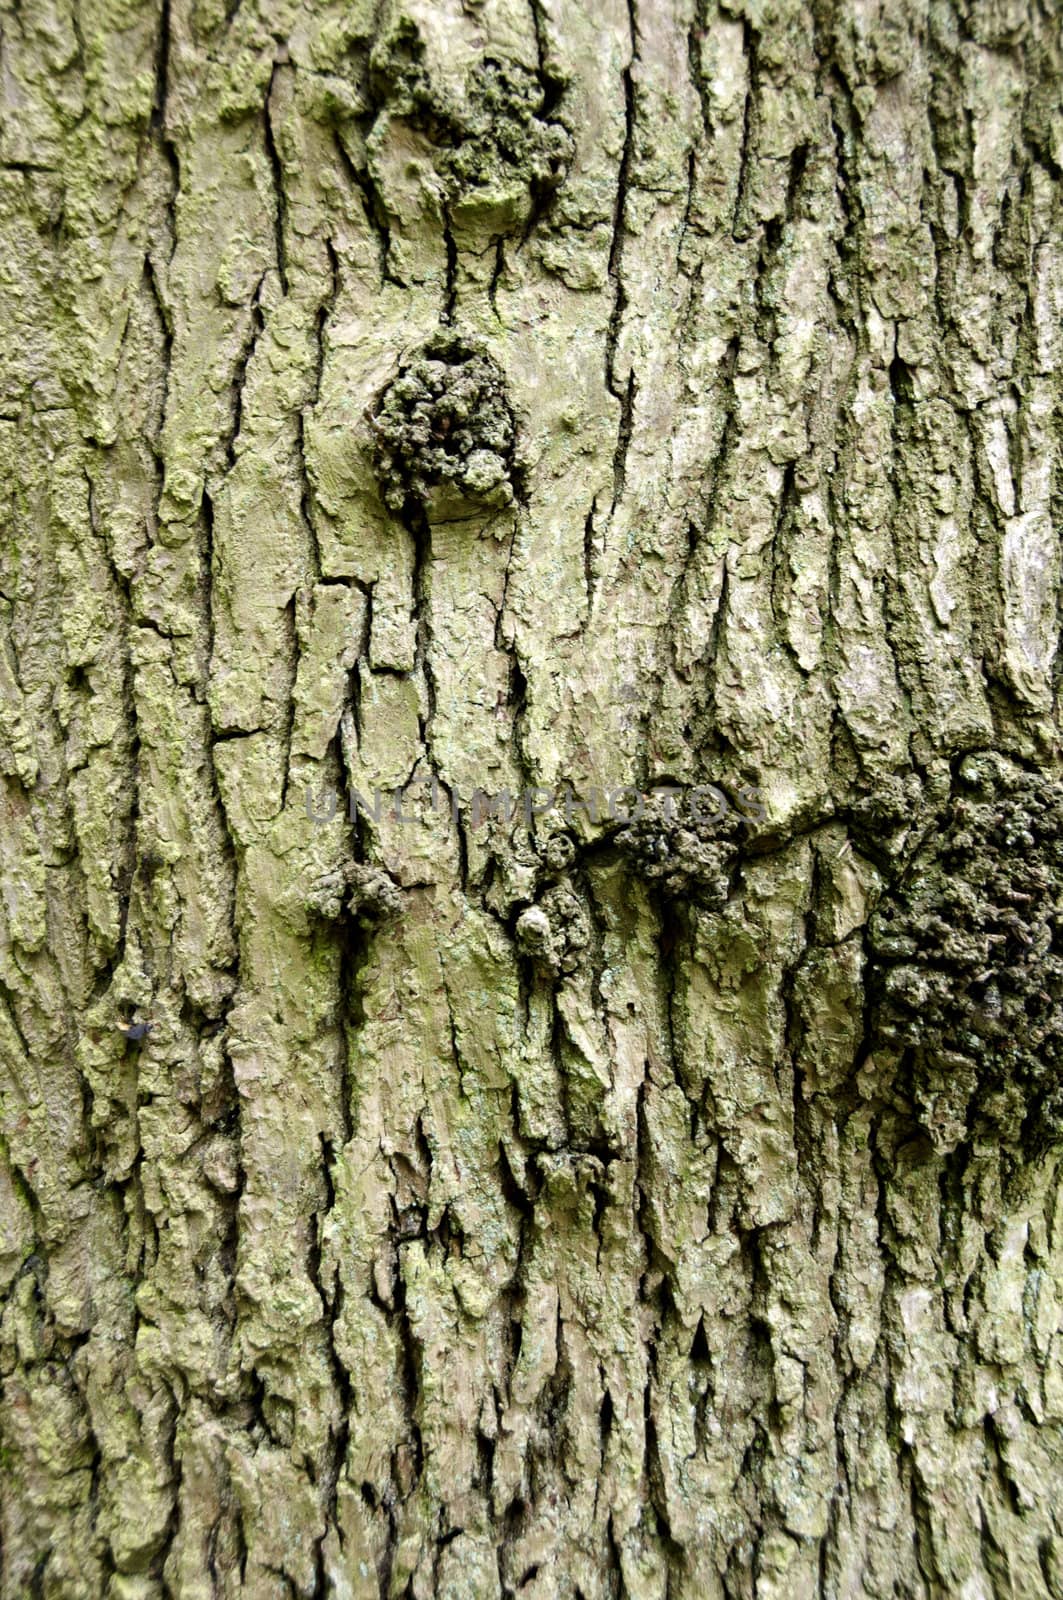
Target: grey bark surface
(502, 396)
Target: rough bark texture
(498, 394)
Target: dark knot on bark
(445, 422)
(967, 960)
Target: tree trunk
(435, 1160)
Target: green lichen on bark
(498, 1210)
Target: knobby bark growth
(472, 397)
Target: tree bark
(524, 406)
